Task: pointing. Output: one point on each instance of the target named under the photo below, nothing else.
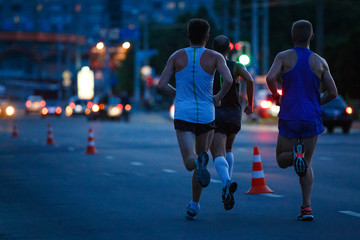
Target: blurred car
(51, 109)
(78, 107)
(264, 104)
(105, 107)
(34, 104)
(337, 114)
(6, 109)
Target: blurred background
(72, 50)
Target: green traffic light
(244, 59)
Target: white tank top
(194, 91)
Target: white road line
(272, 195)
(136, 163)
(215, 181)
(169, 171)
(351, 213)
(325, 158)
(71, 149)
(109, 157)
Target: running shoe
(191, 212)
(299, 159)
(202, 174)
(306, 214)
(228, 194)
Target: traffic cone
(15, 131)
(91, 143)
(258, 184)
(50, 137)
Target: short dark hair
(221, 44)
(197, 30)
(301, 31)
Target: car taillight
(265, 104)
(127, 107)
(42, 103)
(102, 106)
(58, 110)
(349, 110)
(90, 104)
(120, 106)
(95, 108)
(44, 111)
(72, 105)
(28, 103)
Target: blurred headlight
(274, 109)
(78, 108)
(114, 112)
(95, 108)
(44, 111)
(172, 111)
(10, 110)
(68, 111)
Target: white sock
(194, 205)
(230, 161)
(222, 168)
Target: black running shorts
(196, 128)
(228, 119)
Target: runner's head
(302, 32)
(198, 31)
(221, 44)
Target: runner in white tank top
(194, 68)
(194, 90)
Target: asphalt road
(136, 186)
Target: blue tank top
(301, 90)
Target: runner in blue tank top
(194, 68)
(300, 122)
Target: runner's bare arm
(166, 75)
(227, 79)
(329, 85)
(242, 72)
(273, 75)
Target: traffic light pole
(254, 36)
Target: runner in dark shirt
(228, 120)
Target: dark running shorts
(299, 128)
(228, 119)
(227, 128)
(196, 128)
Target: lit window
(171, 5)
(181, 5)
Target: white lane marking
(241, 149)
(136, 163)
(351, 213)
(215, 181)
(272, 195)
(325, 158)
(71, 149)
(109, 157)
(169, 171)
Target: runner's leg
(229, 154)
(284, 151)
(218, 152)
(307, 181)
(186, 140)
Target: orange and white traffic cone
(91, 143)
(50, 136)
(14, 130)
(258, 184)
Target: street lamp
(126, 45)
(100, 45)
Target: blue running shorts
(300, 128)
